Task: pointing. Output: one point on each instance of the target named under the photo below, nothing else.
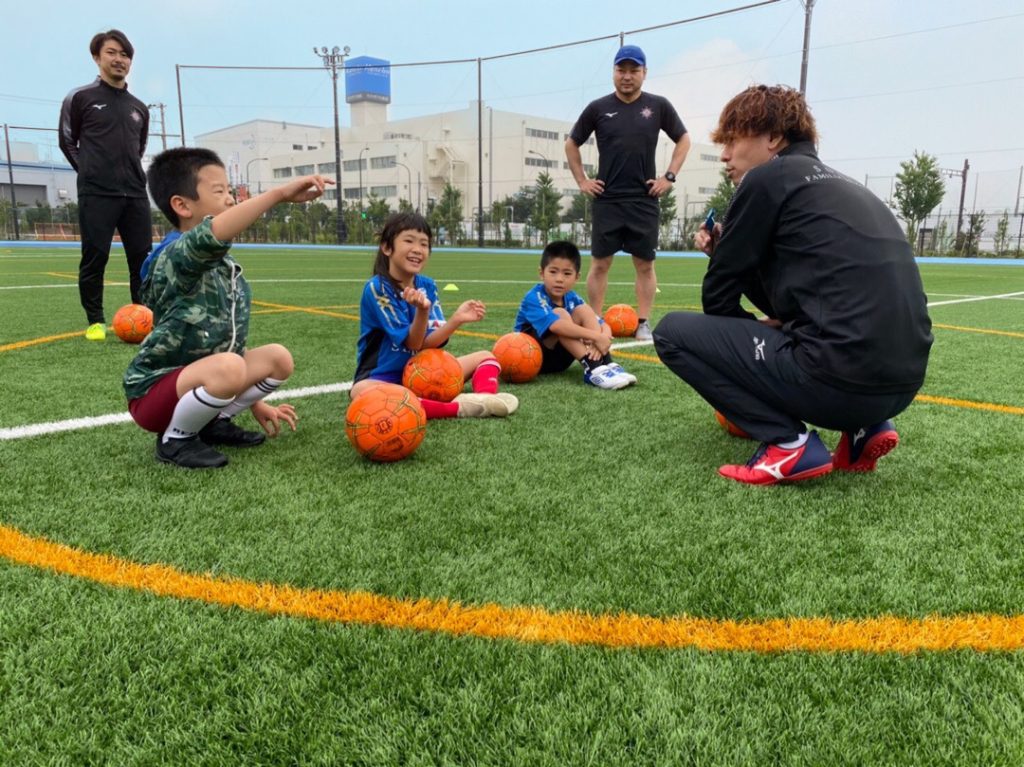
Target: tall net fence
(477, 144)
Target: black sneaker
(191, 453)
(221, 431)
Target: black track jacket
(103, 133)
(819, 252)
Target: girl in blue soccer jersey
(400, 315)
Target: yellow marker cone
(451, 287)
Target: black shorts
(629, 225)
(553, 360)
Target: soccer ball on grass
(386, 423)
(133, 322)
(434, 374)
(520, 357)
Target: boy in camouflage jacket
(193, 372)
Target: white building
(37, 180)
(413, 159)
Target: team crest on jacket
(646, 113)
(136, 116)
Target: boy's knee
(284, 365)
(229, 371)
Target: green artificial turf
(582, 500)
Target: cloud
(700, 81)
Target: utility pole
(10, 175)
(334, 59)
(163, 122)
(808, 7)
(963, 193)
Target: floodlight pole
(808, 7)
(408, 174)
(543, 213)
(360, 164)
(333, 60)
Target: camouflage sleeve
(197, 251)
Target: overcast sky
(886, 77)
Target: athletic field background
(572, 585)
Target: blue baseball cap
(631, 53)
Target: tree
(919, 189)
(666, 212)
(1001, 243)
(377, 212)
(545, 214)
(447, 213)
(943, 238)
(719, 203)
(6, 219)
(319, 217)
(975, 228)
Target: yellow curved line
(986, 331)
(43, 340)
(969, 404)
(886, 634)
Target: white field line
(631, 344)
(75, 424)
(974, 298)
(60, 285)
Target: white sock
(195, 409)
(250, 396)
(798, 442)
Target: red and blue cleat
(772, 464)
(860, 450)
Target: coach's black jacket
(103, 133)
(819, 252)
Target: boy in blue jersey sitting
(566, 327)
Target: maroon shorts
(153, 410)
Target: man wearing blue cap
(627, 124)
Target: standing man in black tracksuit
(103, 132)
(846, 335)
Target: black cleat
(221, 431)
(191, 453)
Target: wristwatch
(670, 176)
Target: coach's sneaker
(771, 464)
(221, 431)
(620, 371)
(860, 450)
(603, 377)
(644, 332)
(191, 453)
(484, 405)
(96, 332)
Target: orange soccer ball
(133, 322)
(730, 427)
(386, 423)
(520, 357)
(622, 319)
(434, 374)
